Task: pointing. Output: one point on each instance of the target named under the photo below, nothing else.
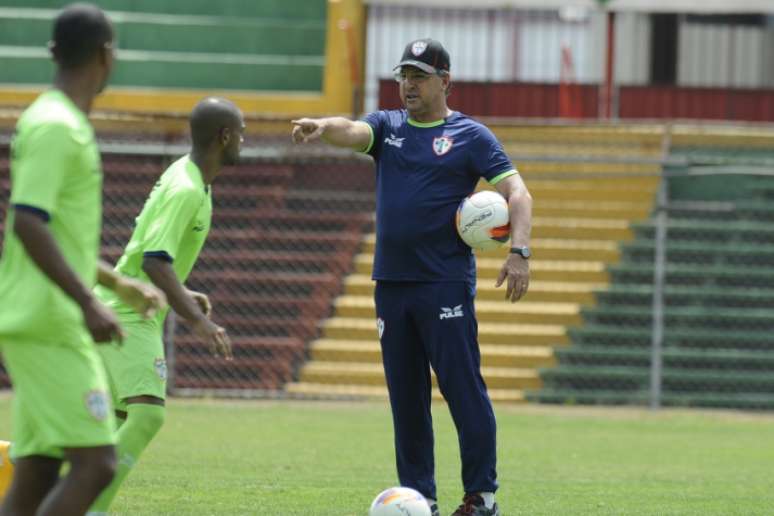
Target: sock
(142, 424)
(488, 499)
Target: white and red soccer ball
(483, 220)
(399, 501)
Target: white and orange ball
(399, 501)
(483, 220)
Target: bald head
(217, 121)
(210, 116)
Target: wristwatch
(521, 251)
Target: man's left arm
(143, 298)
(516, 267)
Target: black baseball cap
(426, 54)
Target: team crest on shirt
(160, 365)
(380, 327)
(418, 48)
(442, 145)
(97, 404)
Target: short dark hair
(80, 32)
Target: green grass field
(306, 458)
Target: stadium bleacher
(582, 211)
(181, 44)
(719, 291)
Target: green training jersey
(55, 172)
(173, 226)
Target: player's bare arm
(202, 300)
(184, 304)
(338, 131)
(34, 234)
(516, 268)
(145, 299)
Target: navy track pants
(424, 324)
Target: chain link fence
(650, 285)
(286, 226)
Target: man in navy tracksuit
(428, 159)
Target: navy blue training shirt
(423, 171)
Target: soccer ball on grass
(399, 501)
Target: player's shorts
(60, 397)
(138, 366)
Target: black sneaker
(434, 511)
(473, 505)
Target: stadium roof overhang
(677, 6)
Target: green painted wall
(245, 45)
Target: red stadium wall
(582, 101)
(697, 103)
(506, 99)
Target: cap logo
(418, 48)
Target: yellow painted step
(366, 351)
(573, 228)
(374, 392)
(612, 198)
(373, 374)
(596, 210)
(618, 171)
(722, 136)
(562, 249)
(640, 134)
(539, 291)
(545, 249)
(592, 191)
(523, 312)
(545, 270)
(345, 328)
(549, 149)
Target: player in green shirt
(49, 317)
(168, 236)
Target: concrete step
(570, 250)
(540, 270)
(596, 210)
(369, 351)
(544, 249)
(375, 392)
(593, 191)
(338, 373)
(586, 229)
(651, 150)
(630, 135)
(345, 328)
(539, 291)
(637, 172)
(525, 312)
